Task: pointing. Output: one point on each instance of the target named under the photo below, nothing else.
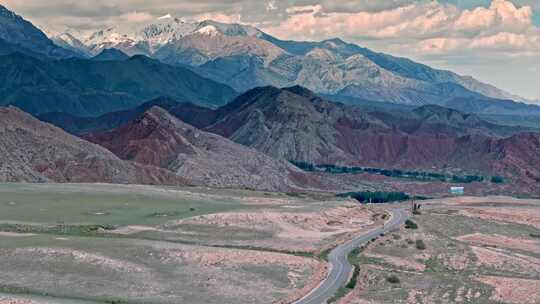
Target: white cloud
(271, 5)
(428, 27)
(225, 18)
(136, 17)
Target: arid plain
(167, 245)
(139, 244)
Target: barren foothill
(465, 250)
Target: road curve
(340, 267)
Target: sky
(496, 41)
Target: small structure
(457, 190)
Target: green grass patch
(323, 255)
(59, 229)
(433, 264)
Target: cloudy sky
(497, 41)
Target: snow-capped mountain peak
(232, 29)
(168, 16)
(150, 38)
(208, 30)
(165, 30)
(110, 35)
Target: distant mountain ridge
(245, 57)
(90, 88)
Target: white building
(457, 190)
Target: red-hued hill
(157, 138)
(295, 124)
(33, 151)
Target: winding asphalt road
(340, 267)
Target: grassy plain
(72, 243)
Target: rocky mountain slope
(26, 38)
(295, 124)
(89, 88)
(159, 139)
(33, 151)
(245, 57)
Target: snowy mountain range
(244, 57)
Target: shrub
(410, 225)
(420, 245)
(354, 278)
(393, 279)
(497, 179)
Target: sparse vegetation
(354, 278)
(467, 179)
(410, 225)
(324, 254)
(420, 245)
(393, 279)
(433, 264)
(497, 179)
(416, 209)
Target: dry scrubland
(139, 244)
(79, 244)
(465, 250)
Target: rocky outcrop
(33, 151)
(295, 124)
(159, 139)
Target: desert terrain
(148, 244)
(143, 244)
(464, 250)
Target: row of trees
(377, 197)
(397, 173)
